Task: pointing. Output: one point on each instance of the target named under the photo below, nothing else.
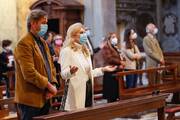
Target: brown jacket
(31, 75)
(110, 54)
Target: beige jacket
(153, 51)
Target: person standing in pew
(132, 56)
(7, 66)
(154, 54)
(79, 80)
(112, 55)
(34, 69)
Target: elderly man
(35, 72)
(154, 55)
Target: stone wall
(170, 40)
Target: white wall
(8, 20)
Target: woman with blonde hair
(76, 69)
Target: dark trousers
(131, 80)
(88, 102)
(28, 112)
(6, 80)
(110, 87)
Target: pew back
(173, 58)
(113, 110)
(170, 83)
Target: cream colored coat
(77, 86)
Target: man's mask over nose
(43, 30)
(155, 31)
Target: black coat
(4, 61)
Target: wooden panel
(172, 85)
(113, 110)
(173, 58)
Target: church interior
(147, 100)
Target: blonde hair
(70, 41)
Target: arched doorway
(61, 13)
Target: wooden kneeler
(171, 112)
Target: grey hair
(35, 15)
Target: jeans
(28, 112)
(131, 80)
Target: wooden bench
(170, 83)
(7, 105)
(173, 58)
(113, 110)
(2, 88)
(171, 112)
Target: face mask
(58, 42)
(147, 30)
(83, 38)
(134, 36)
(8, 48)
(88, 33)
(43, 30)
(155, 31)
(114, 41)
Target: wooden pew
(2, 88)
(113, 110)
(170, 84)
(4, 111)
(173, 58)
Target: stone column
(100, 17)
(159, 18)
(109, 16)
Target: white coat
(77, 86)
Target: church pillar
(100, 17)
(159, 18)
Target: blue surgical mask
(83, 38)
(43, 30)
